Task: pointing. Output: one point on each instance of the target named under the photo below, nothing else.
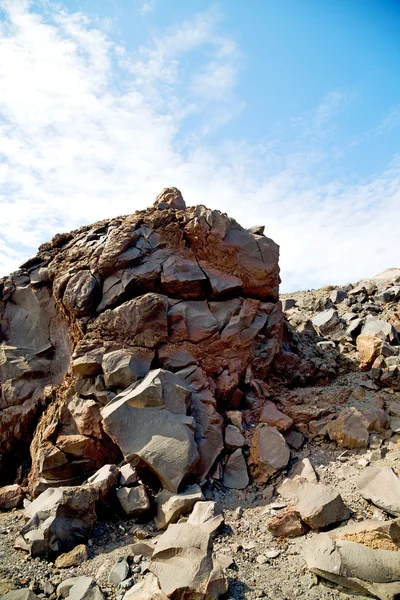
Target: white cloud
(89, 131)
(146, 8)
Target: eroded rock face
(100, 310)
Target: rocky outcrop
(163, 319)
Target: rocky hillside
(151, 376)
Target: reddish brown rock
(274, 417)
(287, 524)
(269, 453)
(368, 346)
(11, 496)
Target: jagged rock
(269, 452)
(171, 197)
(351, 428)
(288, 304)
(369, 347)
(123, 367)
(159, 432)
(147, 589)
(327, 323)
(235, 472)
(338, 296)
(81, 293)
(274, 417)
(104, 481)
(64, 587)
(134, 500)
(128, 475)
(320, 506)
(119, 571)
(171, 506)
(85, 588)
(287, 524)
(302, 472)
(184, 564)
(74, 558)
(379, 328)
(21, 594)
(60, 519)
(11, 496)
(382, 487)
(233, 438)
(206, 515)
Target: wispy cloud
(88, 130)
(146, 7)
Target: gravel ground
(243, 539)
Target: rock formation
(130, 338)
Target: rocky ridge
(149, 374)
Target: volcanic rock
(171, 287)
(320, 506)
(133, 501)
(11, 496)
(184, 564)
(171, 506)
(60, 519)
(382, 487)
(235, 473)
(269, 452)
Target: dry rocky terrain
(171, 427)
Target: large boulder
(59, 519)
(362, 557)
(184, 565)
(149, 420)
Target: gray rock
(355, 566)
(149, 419)
(182, 277)
(183, 563)
(256, 229)
(382, 487)
(82, 293)
(147, 589)
(60, 519)
(381, 328)
(171, 506)
(119, 571)
(320, 506)
(85, 588)
(354, 328)
(327, 322)
(64, 587)
(338, 296)
(288, 303)
(21, 594)
(104, 480)
(123, 367)
(128, 475)
(207, 515)
(235, 473)
(133, 501)
(233, 438)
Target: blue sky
(285, 113)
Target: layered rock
(182, 295)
